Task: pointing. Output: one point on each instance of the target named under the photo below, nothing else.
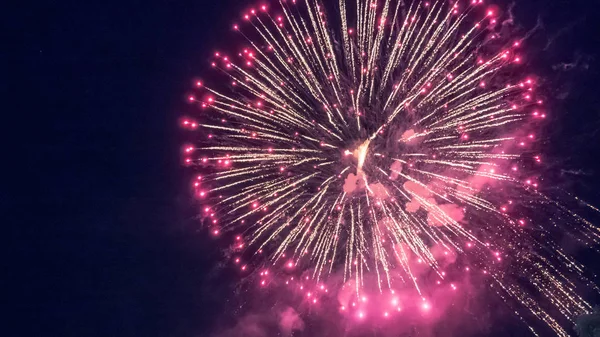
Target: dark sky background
(99, 221)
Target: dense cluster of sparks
(360, 143)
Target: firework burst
(368, 141)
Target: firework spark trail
(334, 146)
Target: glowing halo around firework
(387, 142)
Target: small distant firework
(362, 143)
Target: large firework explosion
(386, 143)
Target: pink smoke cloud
(406, 136)
(417, 189)
(412, 206)
(379, 191)
(449, 212)
(290, 321)
(444, 255)
(353, 183)
(346, 292)
(395, 169)
(477, 181)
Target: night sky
(102, 239)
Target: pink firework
(380, 144)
